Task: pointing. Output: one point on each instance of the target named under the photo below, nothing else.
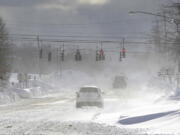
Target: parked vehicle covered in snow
(89, 96)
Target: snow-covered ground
(56, 114)
(149, 105)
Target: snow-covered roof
(89, 86)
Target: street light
(166, 18)
(153, 14)
(148, 13)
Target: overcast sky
(78, 17)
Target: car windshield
(88, 90)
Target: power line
(71, 24)
(75, 36)
(33, 38)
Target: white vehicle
(89, 96)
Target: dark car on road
(119, 82)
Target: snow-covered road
(56, 114)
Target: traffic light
(40, 53)
(49, 57)
(78, 56)
(124, 52)
(97, 55)
(101, 55)
(120, 56)
(62, 55)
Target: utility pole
(61, 62)
(165, 26)
(38, 41)
(57, 61)
(165, 33)
(123, 40)
(61, 59)
(39, 65)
